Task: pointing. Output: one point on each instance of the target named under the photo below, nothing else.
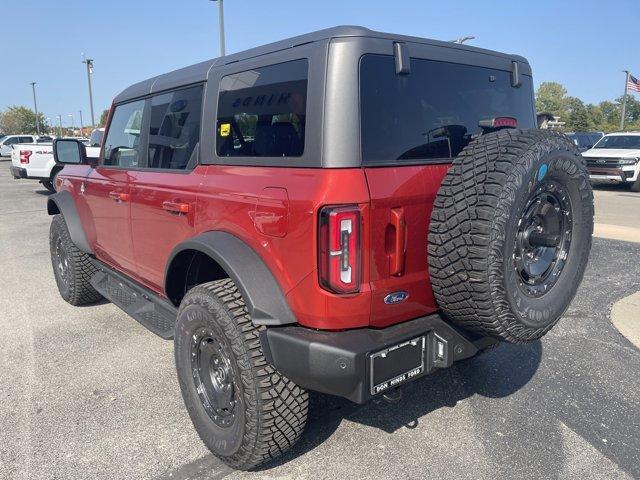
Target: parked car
(615, 159)
(35, 161)
(345, 211)
(8, 140)
(585, 140)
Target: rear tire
(48, 184)
(72, 268)
(244, 411)
(510, 234)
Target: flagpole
(624, 100)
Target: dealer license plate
(396, 365)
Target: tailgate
(15, 155)
(401, 202)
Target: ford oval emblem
(396, 297)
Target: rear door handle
(396, 259)
(180, 208)
(119, 196)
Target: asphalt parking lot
(89, 393)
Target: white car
(35, 160)
(616, 158)
(8, 140)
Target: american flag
(633, 83)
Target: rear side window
(261, 112)
(122, 145)
(433, 112)
(174, 129)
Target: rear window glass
(261, 112)
(433, 112)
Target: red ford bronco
(344, 212)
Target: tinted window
(261, 112)
(123, 139)
(433, 112)
(174, 130)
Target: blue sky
(584, 44)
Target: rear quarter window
(433, 112)
(262, 112)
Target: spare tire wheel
(510, 233)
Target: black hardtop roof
(199, 71)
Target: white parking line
(625, 315)
(616, 232)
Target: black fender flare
(63, 203)
(260, 290)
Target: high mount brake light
(24, 156)
(339, 249)
(499, 122)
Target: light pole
(81, 124)
(221, 25)
(73, 127)
(89, 63)
(461, 40)
(35, 106)
(60, 123)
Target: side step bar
(145, 306)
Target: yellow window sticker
(225, 129)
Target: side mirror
(68, 151)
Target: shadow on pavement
(612, 187)
(495, 374)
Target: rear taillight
(339, 249)
(24, 156)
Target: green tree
(552, 97)
(610, 112)
(19, 119)
(632, 109)
(103, 118)
(577, 118)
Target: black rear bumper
(339, 363)
(18, 172)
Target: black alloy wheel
(543, 238)
(60, 261)
(213, 377)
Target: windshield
(583, 140)
(434, 111)
(2, 138)
(624, 142)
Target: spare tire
(510, 233)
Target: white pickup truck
(35, 160)
(8, 140)
(616, 158)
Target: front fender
(63, 203)
(261, 292)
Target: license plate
(396, 365)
